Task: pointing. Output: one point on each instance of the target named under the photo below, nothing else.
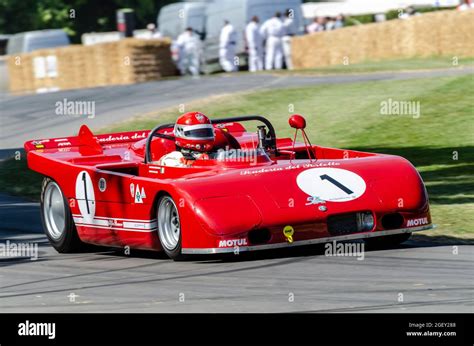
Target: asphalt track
(430, 277)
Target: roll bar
(268, 124)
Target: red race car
(252, 191)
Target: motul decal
(417, 222)
(233, 242)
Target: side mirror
(296, 121)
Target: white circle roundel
(85, 195)
(331, 184)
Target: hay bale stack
(149, 60)
(122, 62)
(72, 67)
(427, 33)
(311, 50)
(47, 58)
(402, 36)
(20, 72)
(447, 33)
(456, 35)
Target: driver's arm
(173, 159)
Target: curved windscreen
(239, 155)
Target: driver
(194, 137)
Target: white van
(173, 19)
(239, 13)
(29, 41)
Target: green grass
(17, 179)
(348, 115)
(439, 142)
(386, 65)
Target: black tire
(387, 242)
(169, 227)
(62, 237)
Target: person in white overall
(290, 31)
(189, 56)
(254, 45)
(272, 31)
(227, 47)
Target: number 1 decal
(331, 184)
(338, 184)
(85, 195)
(84, 180)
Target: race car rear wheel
(57, 220)
(169, 227)
(388, 241)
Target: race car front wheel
(387, 242)
(56, 216)
(169, 227)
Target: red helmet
(194, 131)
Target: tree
(74, 16)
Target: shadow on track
(416, 241)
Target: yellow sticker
(288, 232)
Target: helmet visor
(200, 133)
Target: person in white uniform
(153, 32)
(254, 44)
(272, 31)
(189, 52)
(227, 47)
(290, 30)
(316, 26)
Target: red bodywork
(226, 204)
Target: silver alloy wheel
(54, 211)
(169, 227)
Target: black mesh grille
(259, 236)
(392, 221)
(342, 224)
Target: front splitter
(196, 251)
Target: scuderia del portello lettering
(122, 137)
(28, 328)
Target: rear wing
(86, 139)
